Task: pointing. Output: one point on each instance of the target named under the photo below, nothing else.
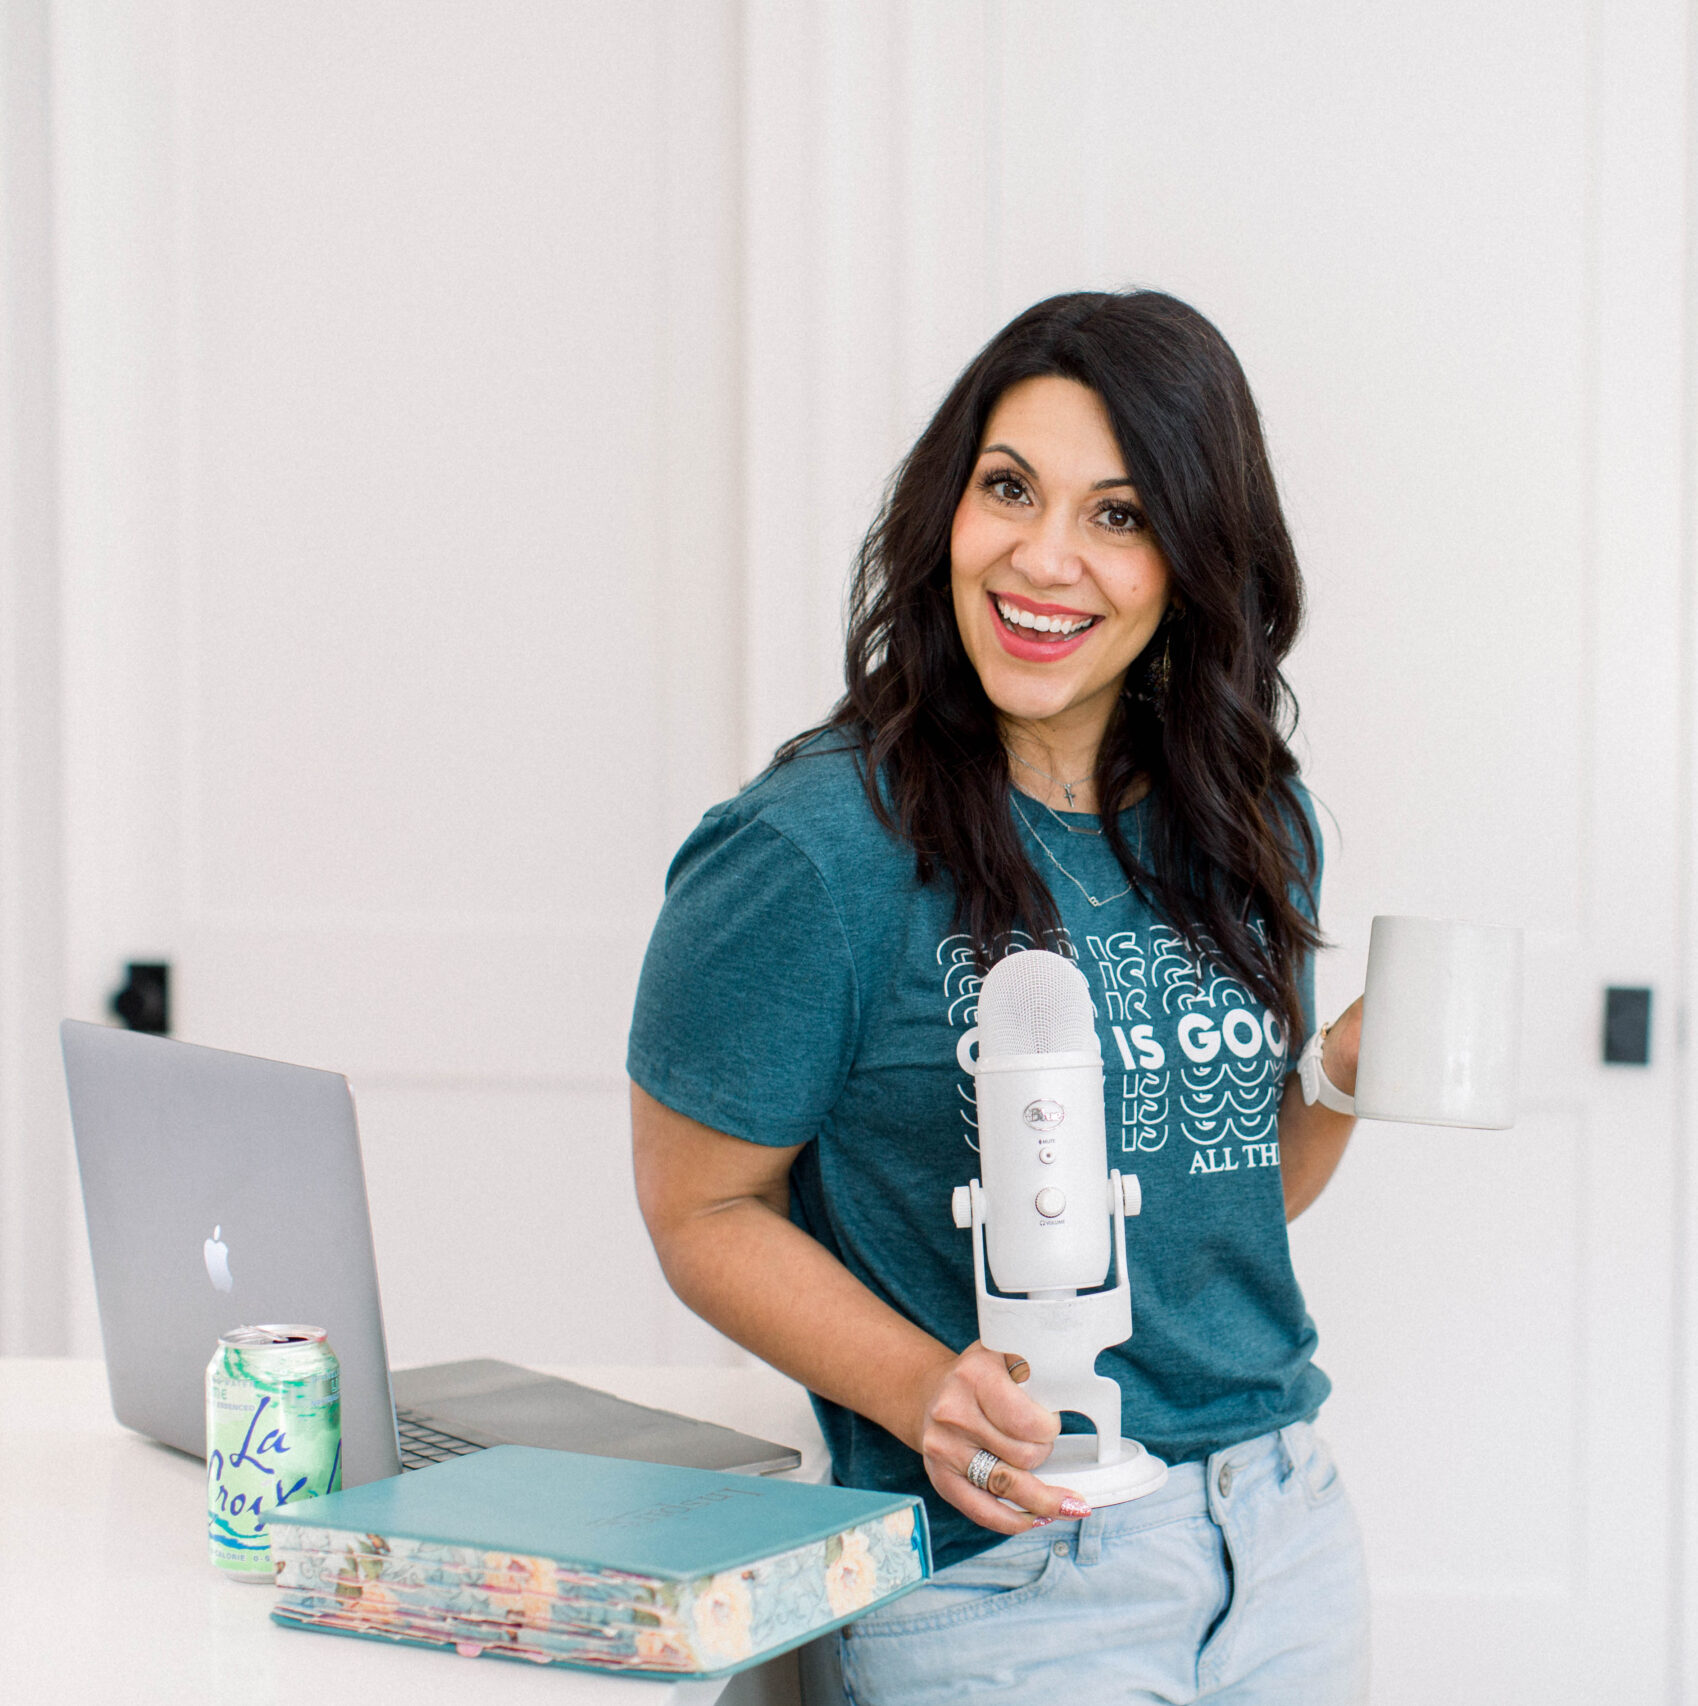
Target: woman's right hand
(975, 1404)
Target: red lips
(1031, 649)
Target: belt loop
(1088, 1544)
(1288, 1450)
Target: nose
(1047, 554)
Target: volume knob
(1049, 1202)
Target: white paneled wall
(404, 531)
(36, 1233)
(466, 415)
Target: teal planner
(594, 1562)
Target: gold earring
(1158, 677)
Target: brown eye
(1004, 487)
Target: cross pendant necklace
(1054, 781)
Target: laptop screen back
(223, 1191)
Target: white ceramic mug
(1441, 1023)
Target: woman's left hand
(1311, 1135)
(1344, 1040)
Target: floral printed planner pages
(594, 1562)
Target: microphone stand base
(1073, 1464)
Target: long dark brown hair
(1228, 856)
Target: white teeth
(1018, 618)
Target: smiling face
(1057, 583)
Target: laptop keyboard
(421, 1445)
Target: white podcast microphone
(1050, 1213)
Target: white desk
(106, 1592)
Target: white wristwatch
(1312, 1077)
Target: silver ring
(979, 1470)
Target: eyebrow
(1008, 450)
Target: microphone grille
(1036, 1002)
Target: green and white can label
(273, 1437)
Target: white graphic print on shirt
(1196, 1055)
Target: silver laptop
(224, 1191)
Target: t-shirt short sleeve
(747, 1013)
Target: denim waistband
(1229, 1475)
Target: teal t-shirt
(802, 988)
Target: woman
(1062, 728)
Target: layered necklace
(1031, 829)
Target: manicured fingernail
(1042, 1521)
(1075, 1507)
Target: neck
(1056, 766)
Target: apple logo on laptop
(217, 1254)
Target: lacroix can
(273, 1437)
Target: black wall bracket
(1627, 1027)
(144, 1003)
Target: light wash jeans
(1239, 1583)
